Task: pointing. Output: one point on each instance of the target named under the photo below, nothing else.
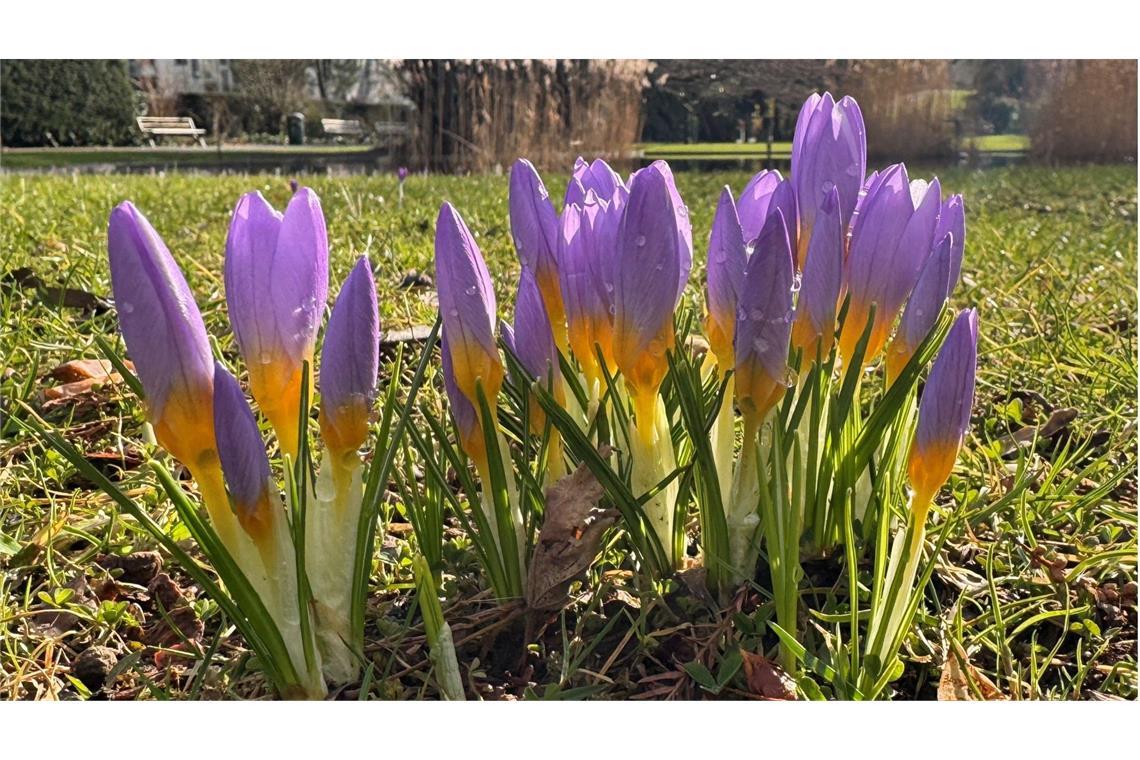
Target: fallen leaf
(56, 295)
(954, 683)
(87, 369)
(178, 625)
(568, 542)
(414, 334)
(767, 679)
(1057, 422)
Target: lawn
(1034, 597)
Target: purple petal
(925, 302)
(803, 121)
(160, 321)
(576, 187)
(784, 200)
(466, 296)
(649, 265)
(250, 248)
(240, 447)
(350, 357)
(901, 270)
(726, 264)
(299, 275)
(764, 314)
(752, 206)
(944, 409)
(953, 220)
(533, 338)
(871, 263)
(823, 270)
(534, 225)
(870, 185)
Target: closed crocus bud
(944, 409)
(242, 454)
(165, 337)
(597, 176)
(764, 322)
(534, 227)
(890, 244)
(276, 284)
(727, 261)
(922, 308)
(952, 221)
(467, 306)
(821, 283)
(755, 200)
(651, 271)
(829, 150)
(350, 361)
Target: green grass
(1033, 589)
(706, 151)
(16, 159)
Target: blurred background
(460, 116)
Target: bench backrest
(147, 123)
(342, 126)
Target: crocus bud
(727, 261)
(276, 279)
(952, 221)
(822, 280)
(242, 454)
(944, 409)
(652, 268)
(402, 173)
(888, 248)
(922, 308)
(597, 176)
(829, 150)
(350, 361)
(467, 306)
(755, 200)
(165, 337)
(764, 322)
(534, 227)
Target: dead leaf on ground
(179, 624)
(767, 679)
(1057, 422)
(568, 542)
(954, 684)
(55, 295)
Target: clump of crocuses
(296, 545)
(826, 295)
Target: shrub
(1084, 110)
(68, 102)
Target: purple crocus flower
(944, 409)
(165, 335)
(654, 256)
(754, 201)
(727, 261)
(276, 278)
(467, 307)
(890, 244)
(534, 227)
(953, 221)
(764, 322)
(829, 150)
(922, 308)
(350, 361)
(402, 174)
(597, 176)
(242, 454)
(821, 284)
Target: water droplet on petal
(471, 290)
(126, 308)
(454, 312)
(797, 282)
(760, 344)
(640, 241)
(790, 378)
(756, 315)
(265, 357)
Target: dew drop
(126, 308)
(454, 312)
(756, 315)
(609, 287)
(797, 282)
(790, 378)
(265, 357)
(760, 344)
(640, 241)
(471, 290)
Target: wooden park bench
(343, 127)
(172, 126)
